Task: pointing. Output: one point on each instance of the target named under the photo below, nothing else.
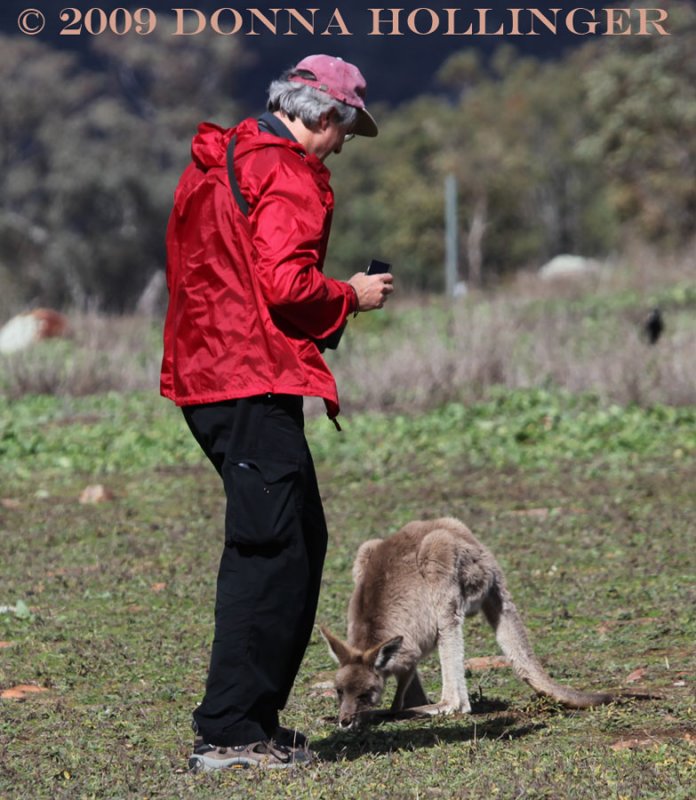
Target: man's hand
(372, 290)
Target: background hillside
(555, 149)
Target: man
(249, 307)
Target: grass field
(535, 413)
(107, 606)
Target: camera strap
(267, 124)
(234, 183)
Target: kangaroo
(412, 593)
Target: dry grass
(580, 335)
(101, 354)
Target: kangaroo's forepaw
(442, 708)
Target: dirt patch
(487, 662)
(646, 739)
(21, 692)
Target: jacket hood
(209, 145)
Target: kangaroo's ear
(382, 655)
(340, 651)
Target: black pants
(270, 572)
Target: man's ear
(340, 651)
(325, 120)
(381, 657)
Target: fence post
(451, 242)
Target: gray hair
(296, 99)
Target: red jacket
(247, 296)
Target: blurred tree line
(572, 155)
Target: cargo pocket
(263, 502)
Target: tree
(90, 158)
(527, 190)
(390, 197)
(511, 135)
(641, 95)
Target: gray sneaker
(209, 757)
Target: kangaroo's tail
(513, 639)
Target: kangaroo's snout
(348, 722)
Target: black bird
(653, 326)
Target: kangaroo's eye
(365, 698)
(339, 692)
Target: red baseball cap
(342, 81)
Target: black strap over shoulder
(268, 124)
(234, 183)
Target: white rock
(568, 266)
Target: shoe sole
(198, 764)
